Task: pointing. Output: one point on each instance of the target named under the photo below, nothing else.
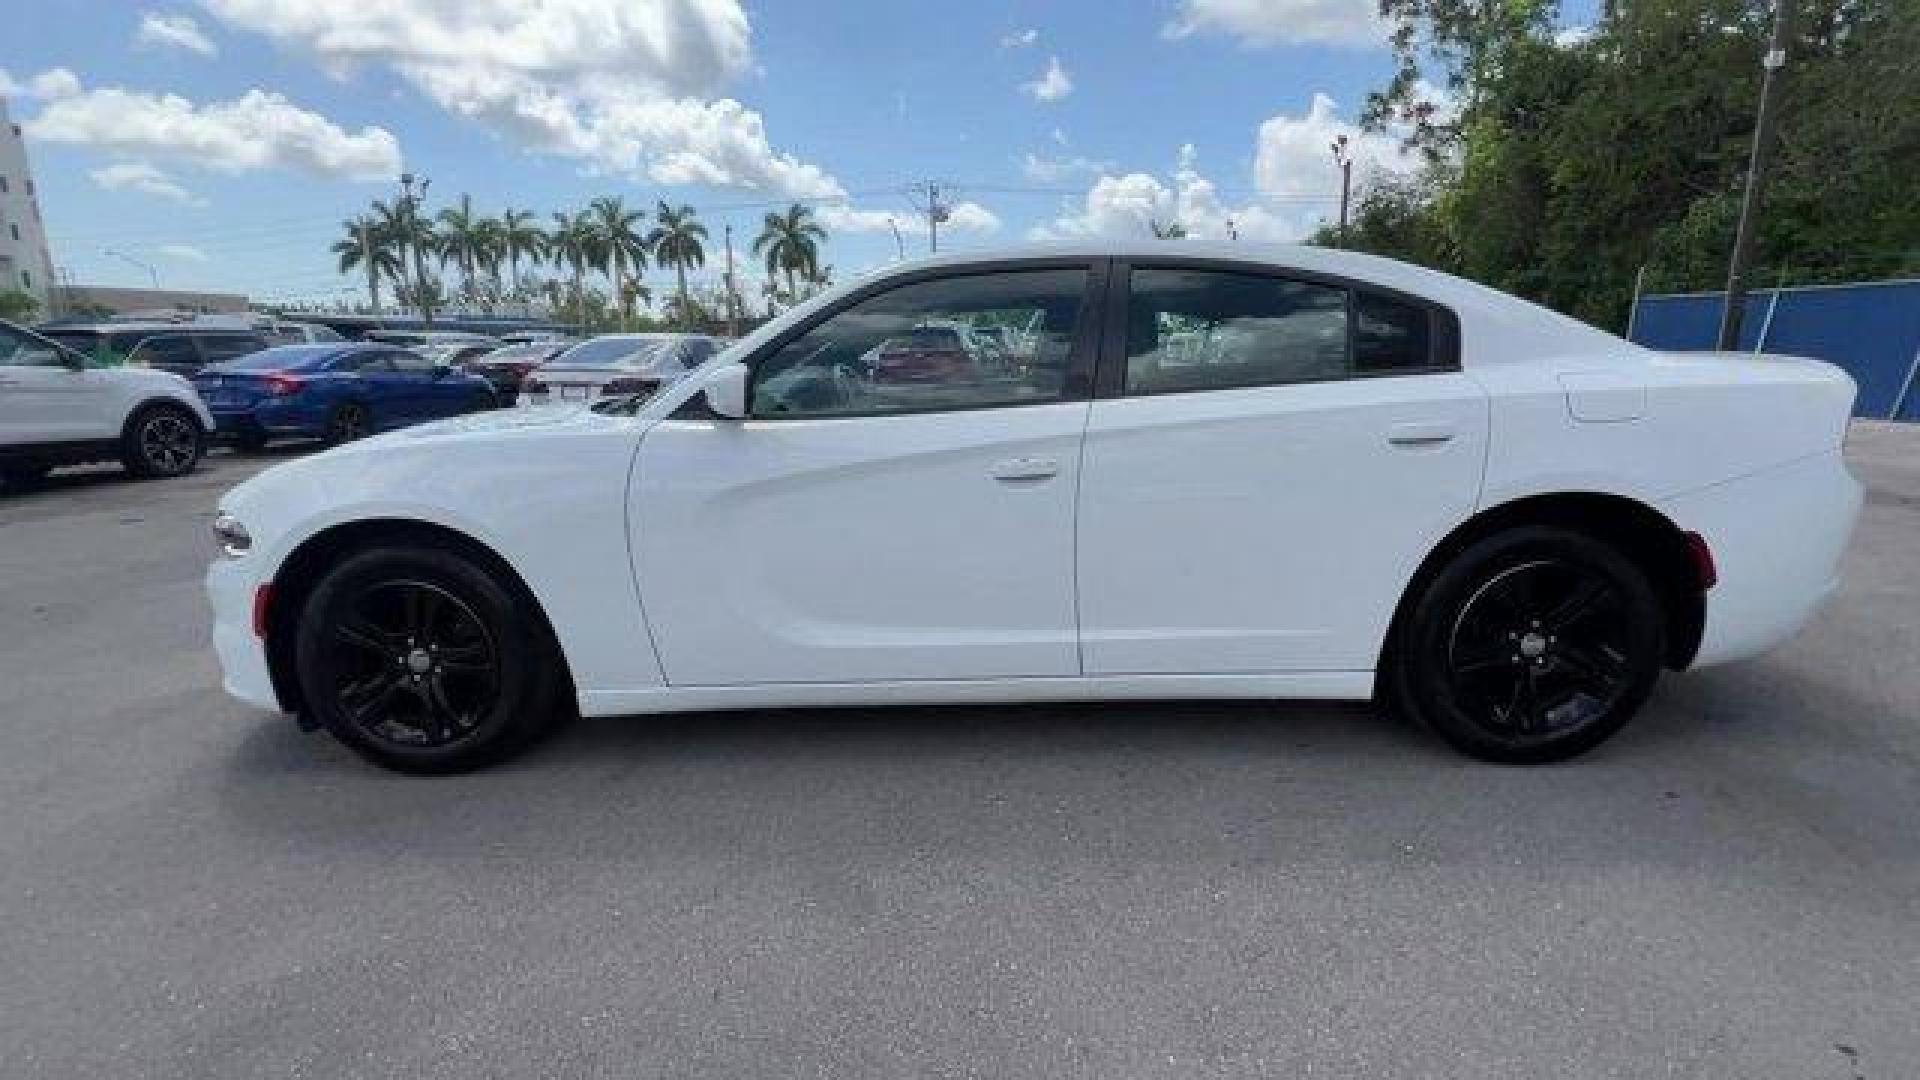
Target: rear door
(177, 353)
(1268, 458)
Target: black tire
(481, 401)
(162, 440)
(422, 662)
(1530, 646)
(349, 421)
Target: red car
(929, 354)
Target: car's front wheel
(347, 423)
(162, 440)
(1531, 645)
(422, 661)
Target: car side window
(166, 351)
(404, 361)
(19, 350)
(1193, 330)
(220, 348)
(914, 348)
(696, 352)
(1390, 335)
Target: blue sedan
(336, 392)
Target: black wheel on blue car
(421, 661)
(349, 421)
(481, 401)
(1529, 646)
(162, 440)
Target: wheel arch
(300, 571)
(1643, 534)
(153, 401)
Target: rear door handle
(1420, 434)
(1026, 470)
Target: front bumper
(231, 586)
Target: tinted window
(169, 351)
(281, 358)
(363, 360)
(901, 351)
(19, 350)
(1389, 335)
(696, 352)
(1208, 330)
(406, 361)
(222, 348)
(611, 352)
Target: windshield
(615, 352)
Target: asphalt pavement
(191, 888)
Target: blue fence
(1872, 330)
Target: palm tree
(367, 245)
(676, 242)
(1172, 230)
(575, 243)
(790, 243)
(463, 242)
(620, 244)
(520, 237)
(410, 234)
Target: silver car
(616, 364)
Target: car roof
(147, 328)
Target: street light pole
(152, 274)
(1343, 157)
(1772, 63)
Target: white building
(24, 260)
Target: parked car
(429, 339)
(506, 366)
(523, 337)
(302, 333)
(57, 409)
(614, 364)
(338, 393)
(1384, 482)
(180, 348)
(456, 353)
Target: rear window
(610, 352)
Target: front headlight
(231, 536)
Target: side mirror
(726, 392)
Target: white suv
(55, 410)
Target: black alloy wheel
(422, 661)
(1533, 645)
(348, 423)
(163, 440)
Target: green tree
(678, 241)
(790, 242)
(17, 305)
(367, 246)
(618, 241)
(575, 245)
(464, 242)
(520, 239)
(413, 238)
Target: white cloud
(173, 32)
(1052, 85)
(623, 86)
(1293, 156)
(142, 176)
(961, 217)
(1568, 36)
(1020, 39)
(1053, 168)
(1296, 185)
(259, 130)
(1275, 22)
(183, 252)
(49, 84)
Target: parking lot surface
(191, 888)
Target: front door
(860, 528)
(1268, 461)
(43, 401)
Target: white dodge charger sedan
(1182, 472)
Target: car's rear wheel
(421, 661)
(1531, 645)
(162, 440)
(481, 401)
(348, 422)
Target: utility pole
(899, 245)
(412, 203)
(1343, 156)
(937, 212)
(1771, 79)
(733, 297)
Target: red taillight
(1705, 574)
(262, 609)
(284, 385)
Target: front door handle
(1026, 470)
(1420, 434)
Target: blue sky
(223, 141)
